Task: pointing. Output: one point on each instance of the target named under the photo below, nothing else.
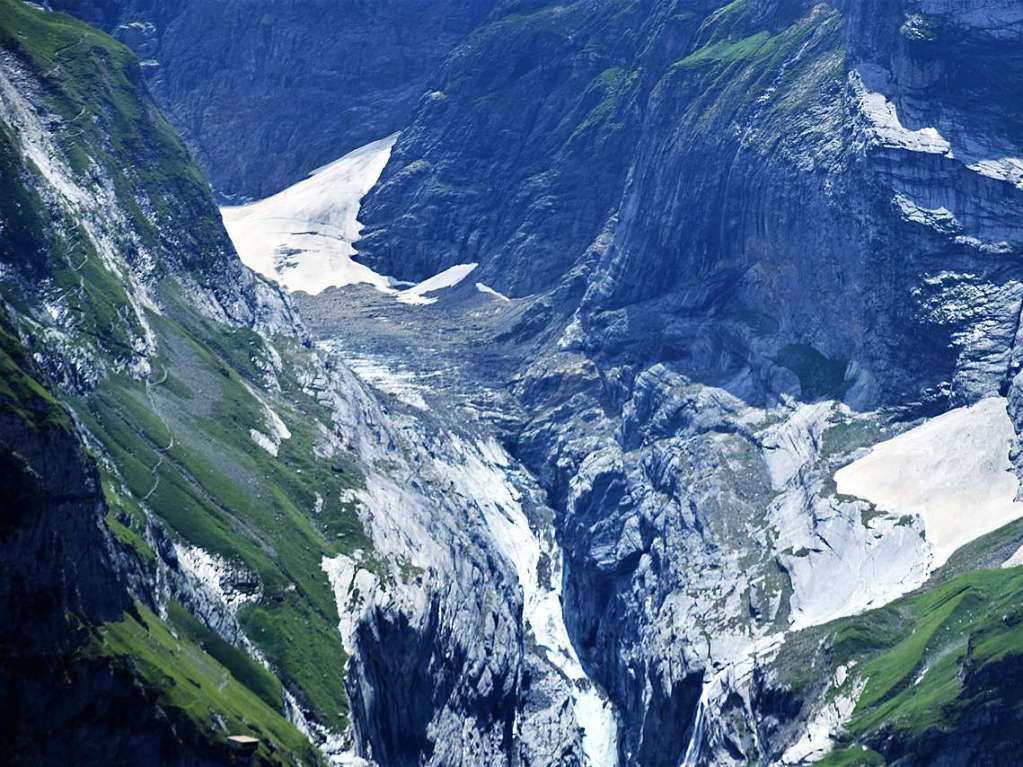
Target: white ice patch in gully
(490, 291)
(303, 237)
(482, 476)
(446, 279)
(276, 429)
(264, 442)
(952, 471)
(1016, 560)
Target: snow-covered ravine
(952, 472)
(484, 474)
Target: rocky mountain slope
(670, 419)
(263, 93)
(807, 243)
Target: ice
(952, 471)
(482, 475)
(264, 442)
(490, 291)
(1016, 560)
(399, 383)
(446, 279)
(276, 430)
(303, 237)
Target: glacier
(303, 237)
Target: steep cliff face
(265, 93)
(726, 146)
(815, 205)
(487, 172)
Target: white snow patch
(952, 471)
(303, 237)
(490, 291)
(1016, 560)
(276, 430)
(277, 426)
(1008, 169)
(265, 442)
(446, 279)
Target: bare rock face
(264, 93)
(720, 222)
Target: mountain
(263, 93)
(651, 398)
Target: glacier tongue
(440, 281)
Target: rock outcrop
(264, 93)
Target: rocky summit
(606, 383)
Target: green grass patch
(94, 84)
(726, 52)
(853, 756)
(201, 690)
(928, 659)
(851, 434)
(126, 519)
(242, 667)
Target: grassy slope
(214, 487)
(919, 658)
(209, 687)
(199, 689)
(94, 84)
